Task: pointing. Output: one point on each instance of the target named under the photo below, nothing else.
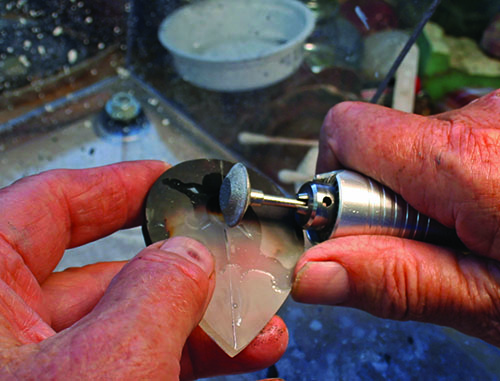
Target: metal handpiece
(357, 205)
(339, 203)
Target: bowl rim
(310, 21)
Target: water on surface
(66, 134)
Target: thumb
(403, 280)
(139, 327)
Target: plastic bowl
(237, 45)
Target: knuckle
(338, 110)
(466, 146)
(401, 297)
(336, 115)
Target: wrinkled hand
(108, 320)
(447, 167)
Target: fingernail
(321, 283)
(191, 250)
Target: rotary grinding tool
(335, 204)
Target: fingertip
(192, 250)
(350, 113)
(269, 345)
(160, 295)
(341, 109)
(151, 164)
(341, 115)
(157, 165)
(319, 253)
(321, 283)
(202, 357)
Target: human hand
(109, 320)
(447, 167)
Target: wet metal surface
(69, 134)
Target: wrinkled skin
(447, 167)
(117, 320)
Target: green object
(434, 51)
(466, 56)
(439, 85)
(450, 63)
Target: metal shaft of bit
(258, 197)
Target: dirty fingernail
(321, 283)
(191, 250)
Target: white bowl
(237, 45)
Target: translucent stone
(254, 260)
